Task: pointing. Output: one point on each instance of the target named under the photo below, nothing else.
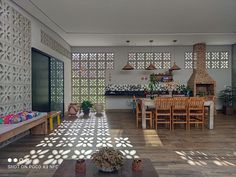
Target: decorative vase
(73, 108)
(80, 166)
(137, 165)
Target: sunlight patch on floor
(76, 139)
(199, 158)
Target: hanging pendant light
(128, 66)
(151, 66)
(175, 66)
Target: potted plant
(108, 159)
(180, 89)
(85, 106)
(152, 84)
(226, 96)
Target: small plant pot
(228, 110)
(80, 166)
(86, 112)
(137, 165)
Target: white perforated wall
(15, 60)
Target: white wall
(222, 76)
(36, 27)
(36, 32)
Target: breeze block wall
(15, 60)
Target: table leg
(51, 123)
(211, 116)
(143, 116)
(58, 118)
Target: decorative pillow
(36, 113)
(1, 120)
(30, 115)
(19, 117)
(22, 116)
(8, 118)
(15, 119)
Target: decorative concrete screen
(141, 60)
(89, 76)
(214, 60)
(15, 60)
(57, 84)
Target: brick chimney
(200, 81)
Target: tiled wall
(15, 60)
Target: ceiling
(112, 22)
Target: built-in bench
(36, 125)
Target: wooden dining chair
(196, 111)
(149, 114)
(180, 111)
(163, 111)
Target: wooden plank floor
(195, 153)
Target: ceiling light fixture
(128, 66)
(151, 66)
(175, 66)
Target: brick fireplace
(200, 81)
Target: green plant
(85, 105)
(188, 91)
(152, 83)
(181, 88)
(226, 96)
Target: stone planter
(99, 108)
(228, 110)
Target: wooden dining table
(67, 169)
(147, 102)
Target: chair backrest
(163, 103)
(180, 102)
(166, 96)
(138, 105)
(196, 102)
(210, 98)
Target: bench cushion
(18, 117)
(9, 127)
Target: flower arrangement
(108, 159)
